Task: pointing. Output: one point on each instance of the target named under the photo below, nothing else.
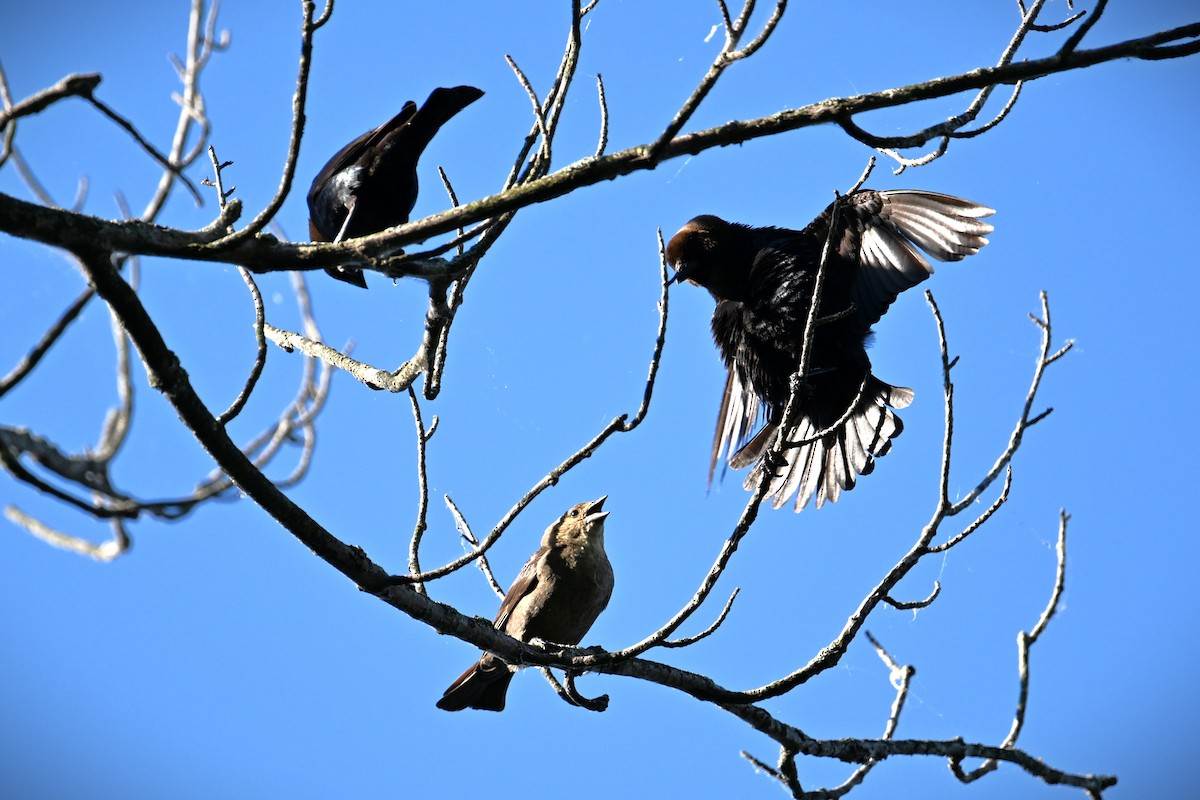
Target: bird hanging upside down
(762, 280)
(371, 184)
(556, 597)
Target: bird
(556, 597)
(762, 280)
(371, 184)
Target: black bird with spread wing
(762, 280)
(371, 184)
(556, 597)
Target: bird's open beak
(594, 513)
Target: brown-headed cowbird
(556, 597)
(762, 280)
(371, 184)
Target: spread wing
(883, 234)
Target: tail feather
(858, 443)
(435, 112)
(822, 462)
(483, 686)
(801, 470)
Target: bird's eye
(574, 513)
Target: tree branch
(265, 253)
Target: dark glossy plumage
(762, 280)
(556, 597)
(371, 184)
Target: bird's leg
(537, 641)
(545, 644)
(774, 462)
(835, 316)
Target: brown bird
(371, 184)
(556, 597)
(762, 280)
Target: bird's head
(582, 525)
(708, 252)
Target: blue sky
(219, 658)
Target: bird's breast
(344, 183)
(328, 209)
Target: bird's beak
(683, 272)
(594, 513)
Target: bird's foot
(774, 462)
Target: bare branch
(951, 128)
(734, 30)
(659, 340)
(307, 28)
(9, 128)
(603, 143)
(163, 160)
(74, 85)
(1025, 641)
(460, 523)
(1077, 37)
(61, 228)
(901, 679)
(414, 545)
(105, 551)
(915, 604)
(1025, 420)
(202, 41)
(260, 352)
(597, 704)
(539, 114)
(117, 421)
(982, 518)
(711, 629)
(27, 364)
(372, 377)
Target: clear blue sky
(219, 658)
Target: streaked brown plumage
(556, 597)
(371, 184)
(762, 280)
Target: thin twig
(915, 604)
(104, 551)
(31, 359)
(299, 99)
(711, 629)
(734, 30)
(414, 545)
(591, 704)
(1025, 641)
(603, 143)
(1026, 419)
(460, 523)
(260, 351)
